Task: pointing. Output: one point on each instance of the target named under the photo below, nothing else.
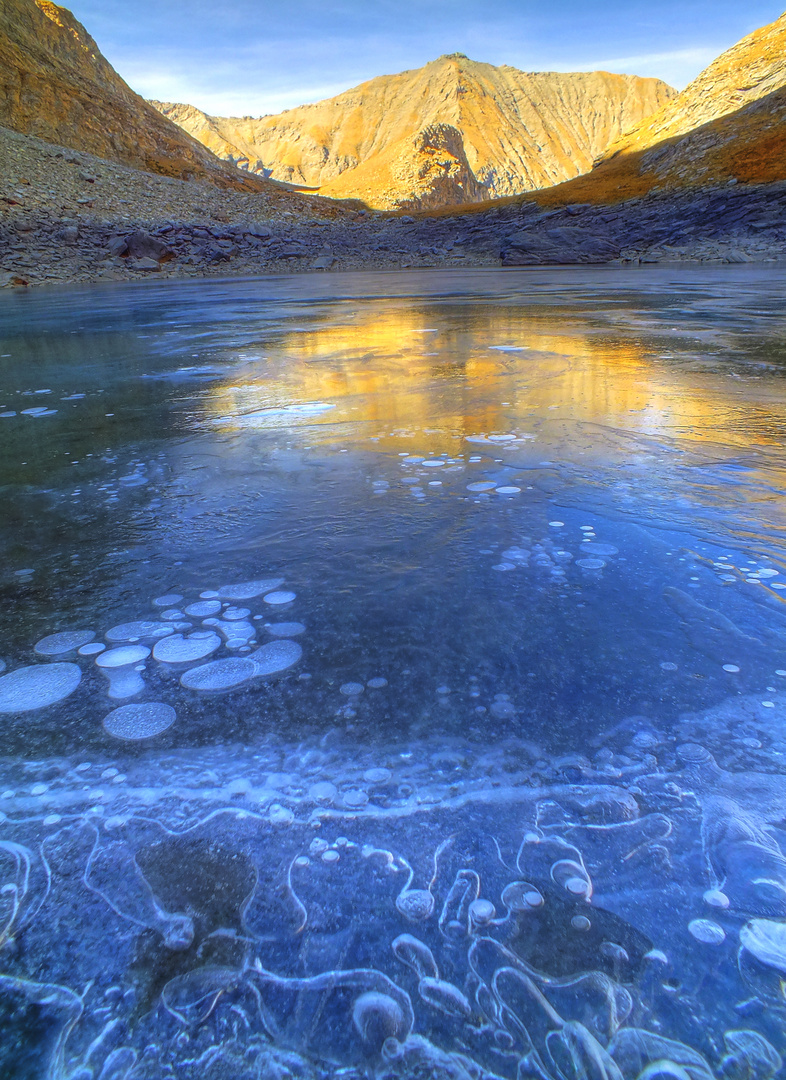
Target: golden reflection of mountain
(391, 375)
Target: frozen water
(203, 609)
(553, 845)
(280, 597)
(143, 630)
(64, 642)
(284, 629)
(247, 590)
(178, 649)
(132, 722)
(35, 687)
(219, 675)
(276, 656)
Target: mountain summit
(387, 140)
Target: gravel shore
(68, 217)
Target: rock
(560, 246)
(144, 264)
(141, 245)
(69, 235)
(291, 251)
(324, 262)
(117, 245)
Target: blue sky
(256, 56)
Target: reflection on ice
(519, 815)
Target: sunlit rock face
(725, 126)
(55, 84)
(517, 130)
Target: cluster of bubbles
(209, 643)
(436, 910)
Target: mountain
(56, 85)
(514, 131)
(727, 126)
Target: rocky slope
(727, 126)
(519, 131)
(67, 216)
(55, 84)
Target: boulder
(141, 245)
(562, 246)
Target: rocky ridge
(518, 131)
(727, 126)
(56, 85)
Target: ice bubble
(137, 631)
(132, 722)
(355, 798)
(707, 932)
(233, 614)
(377, 683)
(37, 686)
(600, 549)
(64, 642)
(92, 648)
(415, 904)
(203, 608)
(184, 650)
(433, 463)
(219, 675)
(318, 845)
(280, 597)
(766, 940)
(352, 689)
(302, 860)
(281, 815)
(749, 1055)
(481, 485)
(284, 629)
(323, 791)
(276, 656)
(377, 776)
(330, 856)
(416, 955)
(581, 922)
(444, 996)
(170, 600)
(120, 667)
(122, 656)
(481, 912)
(377, 1018)
(508, 490)
(247, 590)
(591, 564)
(668, 665)
(557, 524)
(730, 667)
(503, 710)
(715, 898)
(521, 896)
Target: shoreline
(63, 221)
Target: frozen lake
(393, 677)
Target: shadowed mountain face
(516, 131)
(728, 125)
(55, 84)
